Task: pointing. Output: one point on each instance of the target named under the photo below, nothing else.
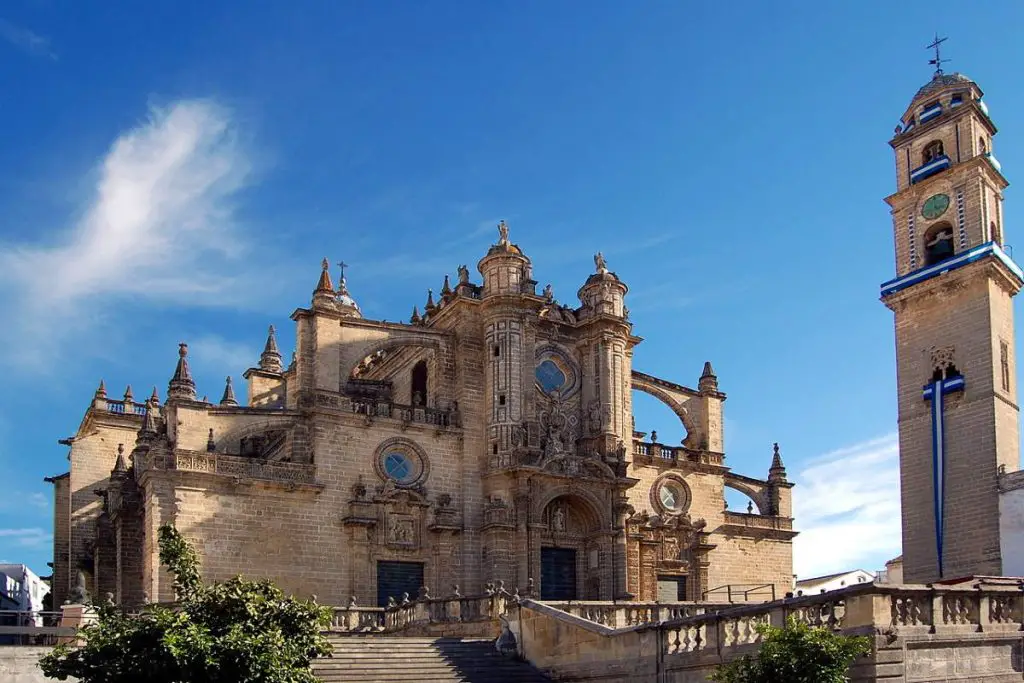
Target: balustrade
(407, 612)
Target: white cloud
(27, 538)
(847, 507)
(159, 227)
(216, 353)
(26, 40)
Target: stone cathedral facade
(489, 438)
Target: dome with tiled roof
(941, 81)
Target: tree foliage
(797, 653)
(237, 631)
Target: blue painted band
(932, 167)
(970, 256)
(929, 114)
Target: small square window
(501, 400)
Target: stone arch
(755, 491)
(589, 504)
(228, 442)
(355, 353)
(641, 383)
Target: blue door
(557, 574)
(396, 578)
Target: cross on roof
(938, 57)
(343, 266)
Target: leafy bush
(237, 631)
(796, 654)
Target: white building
(23, 590)
(831, 582)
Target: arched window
(932, 151)
(938, 243)
(419, 384)
(982, 145)
(996, 235)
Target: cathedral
(490, 438)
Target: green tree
(237, 631)
(797, 653)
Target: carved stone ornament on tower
(943, 359)
(182, 386)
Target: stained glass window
(399, 467)
(550, 376)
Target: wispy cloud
(27, 538)
(25, 501)
(26, 40)
(159, 228)
(847, 506)
(215, 352)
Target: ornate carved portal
(572, 525)
(669, 546)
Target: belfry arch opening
(932, 151)
(938, 244)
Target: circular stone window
(671, 495)
(400, 461)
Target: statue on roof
(502, 233)
(463, 275)
(602, 266)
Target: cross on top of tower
(935, 45)
(343, 266)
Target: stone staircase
(388, 659)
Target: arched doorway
(572, 551)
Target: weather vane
(938, 57)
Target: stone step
(364, 659)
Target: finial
(182, 386)
(415, 319)
(446, 288)
(228, 399)
(503, 232)
(324, 286)
(708, 379)
(119, 466)
(777, 472)
(600, 263)
(430, 301)
(205, 399)
(101, 390)
(937, 62)
(750, 507)
(154, 397)
(128, 397)
(342, 283)
(211, 445)
(270, 359)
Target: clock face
(935, 206)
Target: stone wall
(19, 664)
(917, 634)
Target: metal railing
(34, 627)
(749, 592)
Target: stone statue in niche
(671, 548)
(558, 519)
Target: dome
(941, 81)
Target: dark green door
(671, 589)
(557, 574)
(395, 578)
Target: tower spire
(270, 359)
(182, 386)
(777, 472)
(119, 464)
(228, 399)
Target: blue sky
(175, 172)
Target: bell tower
(952, 300)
